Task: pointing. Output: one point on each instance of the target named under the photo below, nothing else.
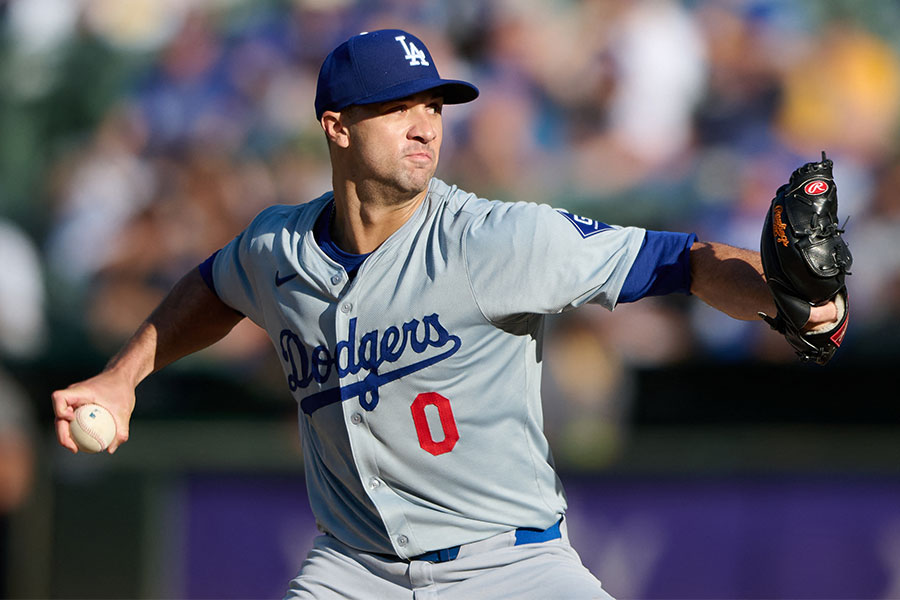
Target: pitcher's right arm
(190, 318)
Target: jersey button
(356, 418)
(336, 278)
(374, 483)
(346, 307)
(402, 540)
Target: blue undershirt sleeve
(662, 266)
(205, 269)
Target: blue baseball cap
(383, 65)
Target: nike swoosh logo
(279, 281)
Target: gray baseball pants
(490, 569)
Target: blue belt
(524, 535)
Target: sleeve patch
(586, 227)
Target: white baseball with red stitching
(93, 429)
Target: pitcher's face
(397, 143)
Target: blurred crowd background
(138, 136)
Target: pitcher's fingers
(121, 438)
(64, 437)
(63, 404)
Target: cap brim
(453, 91)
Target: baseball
(93, 428)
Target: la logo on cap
(415, 56)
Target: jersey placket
(362, 441)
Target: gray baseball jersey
(418, 381)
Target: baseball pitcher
(410, 333)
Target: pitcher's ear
(334, 124)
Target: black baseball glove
(805, 260)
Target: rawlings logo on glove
(805, 260)
(779, 227)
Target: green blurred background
(138, 136)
